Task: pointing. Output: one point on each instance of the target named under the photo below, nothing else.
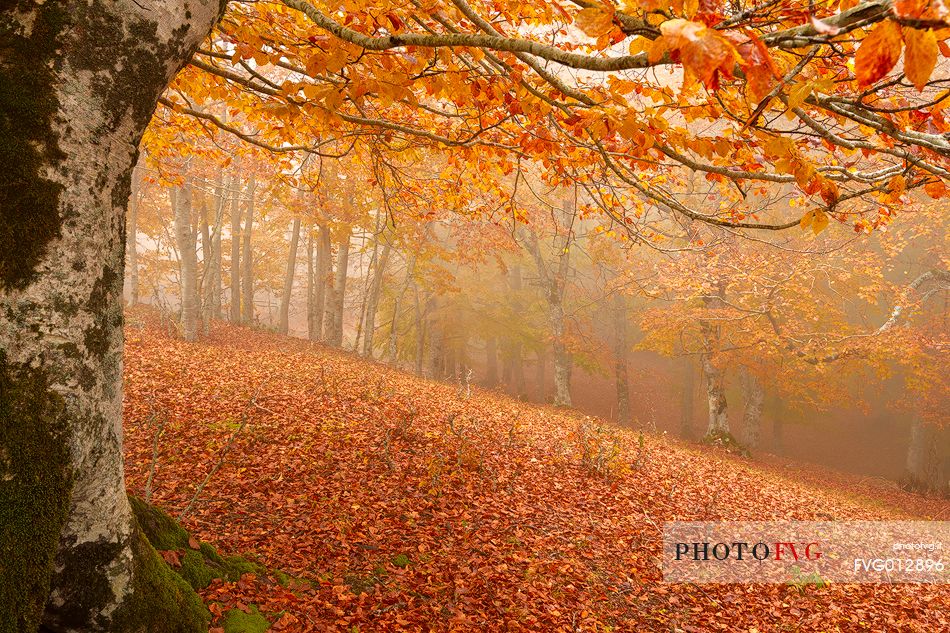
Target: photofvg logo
(806, 552)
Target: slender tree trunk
(205, 286)
(247, 258)
(79, 84)
(752, 416)
(621, 350)
(132, 236)
(420, 332)
(335, 313)
(716, 397)
(311, 289)
(392, 348)
(284, 315)
(322, 281)
(214, 283)
(542, 387)
(436, 360)
(187, 260)
(688, 393)
(235, 311)
(372, 303)
(491, 362)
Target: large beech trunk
(752, 416)
(716, 398)
(78, 84)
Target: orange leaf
(171, 557)
(920, 57)
(879, 53)
(594, 21)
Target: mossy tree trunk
(235, 267)
(78, 84)
(247, 260)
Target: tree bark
(752, 416)
(204, 281)
(213, 283)
(540, 379)
(187, 260)
(284, 315)
(923, 458)
(132, 236)
(716, 398)
(392, 350)
(247, 259)
(491, 362)
(79, 84)
(688, 393)
(372, 303)
(335, 313)
(621, 345)
(235, 311)
(322, 281)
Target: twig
(151, 470)
(245, 418)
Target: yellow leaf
(819, 222)
(879, 52)
(920, 56)
(806, 220)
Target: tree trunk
(420, 332)
(752, 417)
(322, 281)
(923, 458)
(284, 315)
(540, 379)
(335, 313)
(235, 311)
(689, 392)
(187, 260)
(78, 84)
(621, 351)
(716, 397)
(436, 360)
(491, 362)
(213, 284)
(132, 236)
(247, 259)
(392, 348)
(372, 303)
(311, 289)
(205, 286)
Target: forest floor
(403, 504)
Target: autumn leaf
(879, 53)
(594, 21)
(171, 557)
(920, 56)
(703, 52)
(819, 221)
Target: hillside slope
(406, 505)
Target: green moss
(401, 560)
(198, 567)
(35, 484)
(29, 202)
(237, 621)
(162, 602)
